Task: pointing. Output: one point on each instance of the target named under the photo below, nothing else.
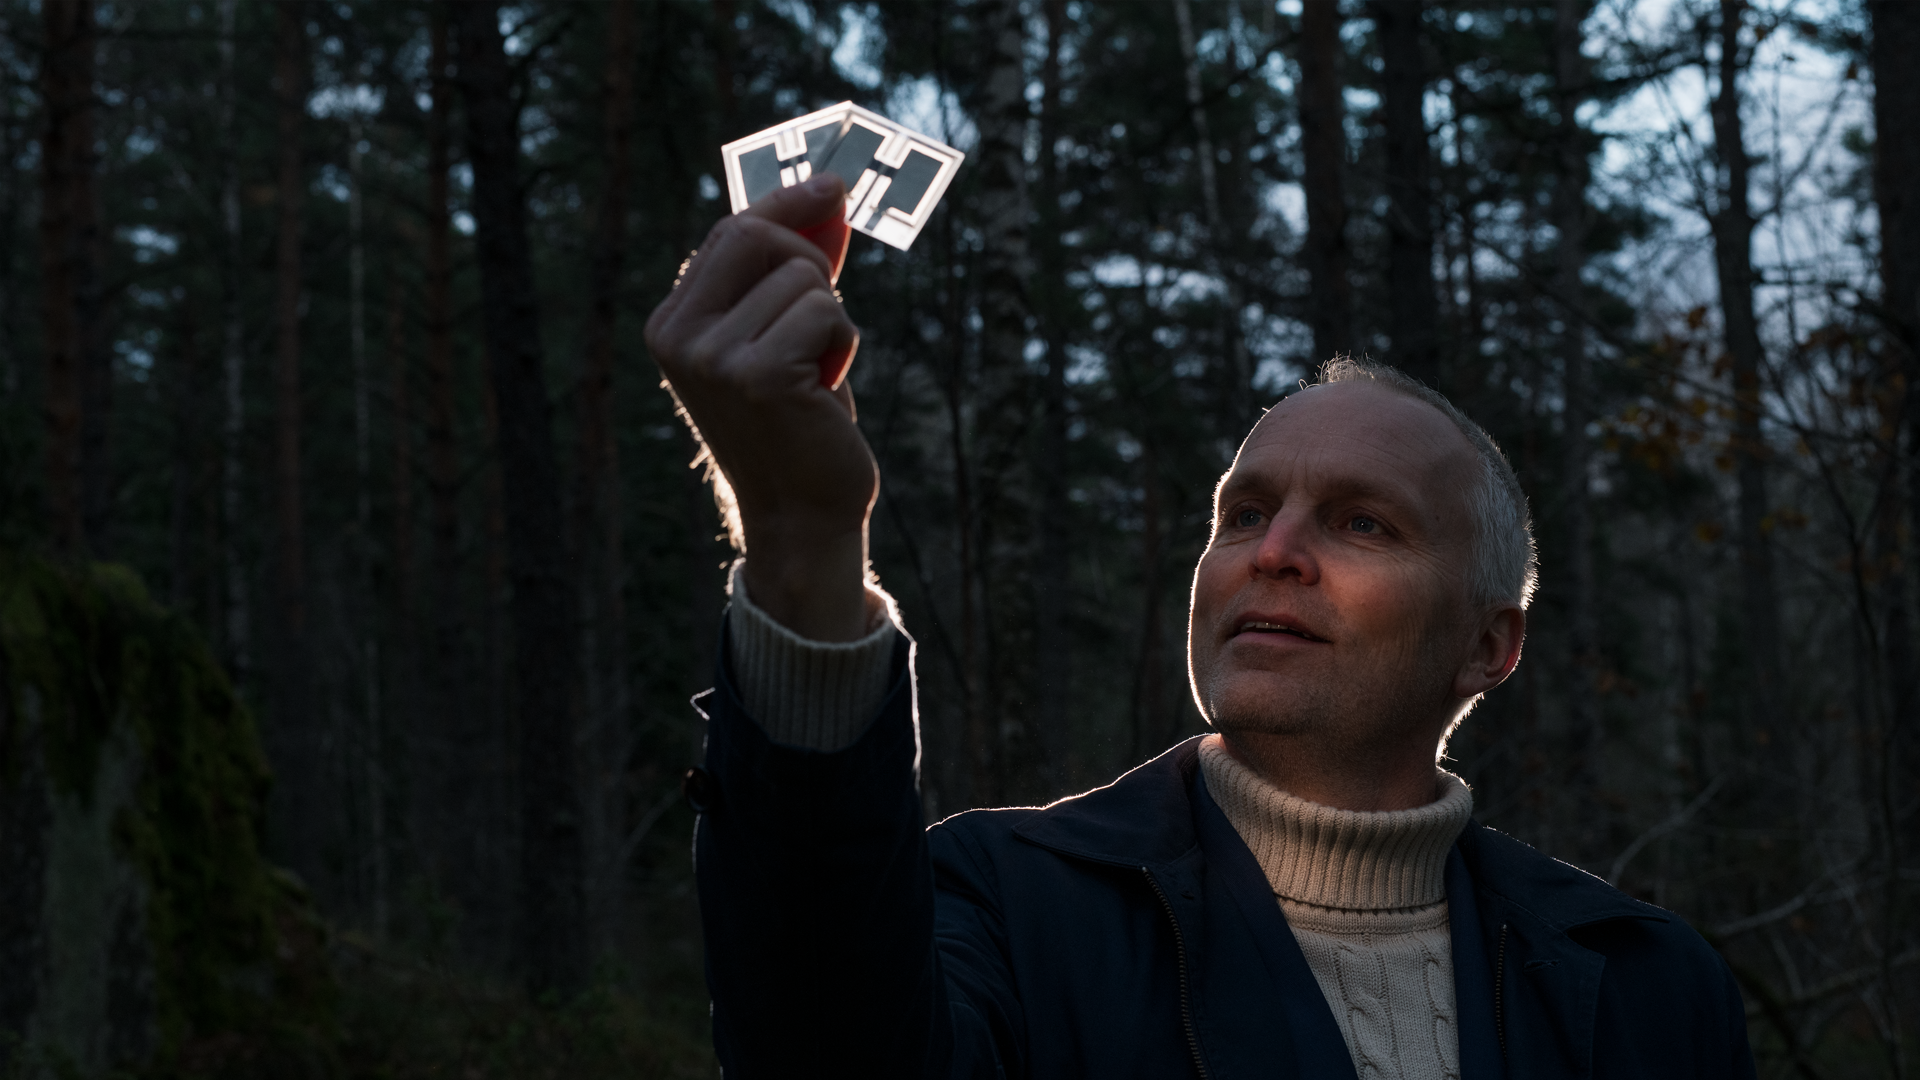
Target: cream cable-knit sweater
(1364, 893)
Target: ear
(1496, 652)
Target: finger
(736, 255)
(812, 327)
(844, 392)
(834, 364)
(802, 205)
(764, 303)
(740, 249)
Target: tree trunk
(1323, 143)
(71, 37)
(1053, 569)
(361, 558)
(298, 746)
(185, 391)
(441, 469)
(976, 719)
(1196, 112)
(9, 242)
(596, 505)
(357, 347)
(1896, 114)
(1732, 226)
(705, 560)
(546, 635)
(725, 44)
(1570, 222)
(1002, 399)
(1468, 374)
(1414, 320)
(436, 739)
(67, 270)
(400, 390)
(406, 690)
(483, 759)
(96, 350)
(237, 621)
(1151, 730)
(1239, 363)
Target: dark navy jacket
(1126, 932)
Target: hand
(744, 339)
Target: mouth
(1254, 626)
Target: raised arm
(815, 875)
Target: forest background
(324, 318)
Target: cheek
(1213, 586)
(1202, 609)
(1403, 607)
(1428, 624)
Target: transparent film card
(894, 176)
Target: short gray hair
(1506, 564)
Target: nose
(1289, 549)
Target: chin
(1245, 705)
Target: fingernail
(823, 184)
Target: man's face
(1333, 601)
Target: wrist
(811, 580)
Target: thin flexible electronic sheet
(894, 176)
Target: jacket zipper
(1180, 950)
(1499, 992)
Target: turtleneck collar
(1350, 860)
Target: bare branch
(1674, 821)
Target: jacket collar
(1144, 818)
(1560, 896)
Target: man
(1301, 893)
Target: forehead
(1359, 434)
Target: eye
(1361, 523)
(1246, 518)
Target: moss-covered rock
(141, 930)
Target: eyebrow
(1348, 487)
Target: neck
(1401, 777)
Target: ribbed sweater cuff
(816, 695)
